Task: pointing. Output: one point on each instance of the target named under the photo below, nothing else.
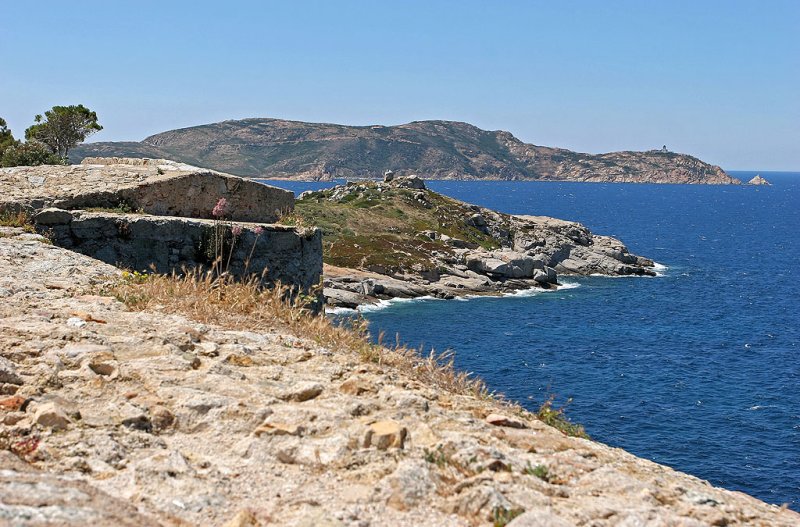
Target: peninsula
(276, 148)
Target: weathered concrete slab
(160, 187)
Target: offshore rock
(758, 180)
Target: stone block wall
(140, 242)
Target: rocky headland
(277, 148)
(398, 239)
(135, 400)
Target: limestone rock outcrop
(276, 253)
(203, 425)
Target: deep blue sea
(698, 369)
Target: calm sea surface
(698, 369)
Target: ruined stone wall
(139, 242)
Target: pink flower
(221, 208)
(259, 230)
(236, 230)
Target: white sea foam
(760, 407)
(525, 292)
(339, 311)
(536, 291)
(660, 269)
(377, 306)
(383, 304)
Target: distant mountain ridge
(276, 148)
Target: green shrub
(29, 154)
(556, 418)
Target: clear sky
(716, 79)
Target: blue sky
(717, 79)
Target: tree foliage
(6, 138)
(63, 128)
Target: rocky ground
(116, 417)
(397, 239)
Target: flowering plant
(225, 240)
(220, 209)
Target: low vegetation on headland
(389, 229)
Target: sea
(697, 368)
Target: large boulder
(344, 298)
(547, 275)
(413, 182)
(506, 264)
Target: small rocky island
(119, 412)
(758, 180)
(398, 239)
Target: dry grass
(16, 219)
(248, 306)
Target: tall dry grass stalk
(249, 306)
